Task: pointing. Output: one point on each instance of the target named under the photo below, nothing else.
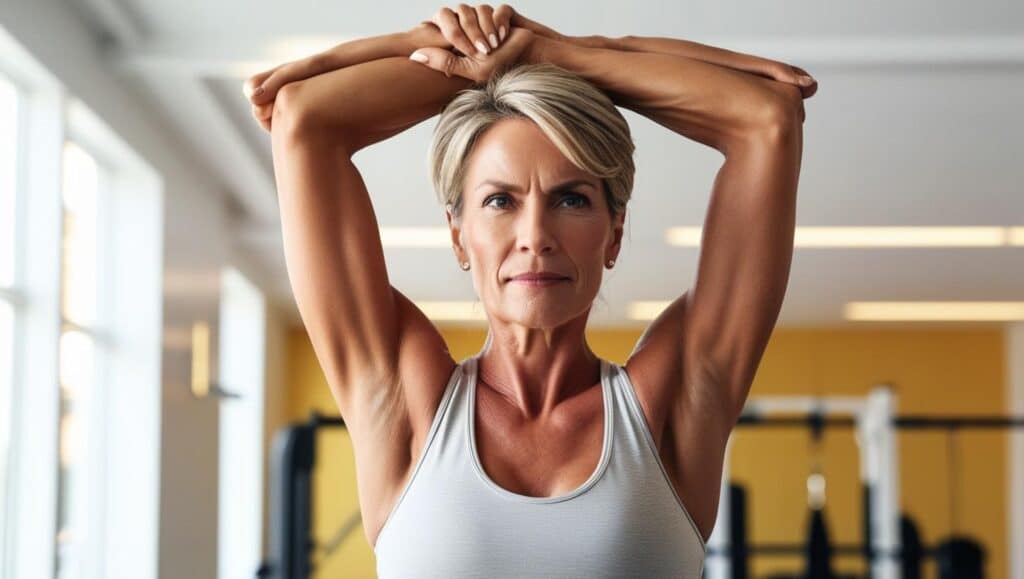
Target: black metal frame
(293, 457)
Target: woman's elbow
(290, 113)
(293, 113)
(784, 111)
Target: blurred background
(151, 352)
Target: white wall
(196, 246)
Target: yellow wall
(934, 371)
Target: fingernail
(501, 32)
(418, 56)
(481, 47)
(494, 40)
(805, 80)
(258, 91)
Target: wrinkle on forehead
(515, 148)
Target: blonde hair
(578, 118)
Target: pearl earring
(465, 265)
(611, 262)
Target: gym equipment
(819, 549)
(960, 557)
(875, 424)
(291, 495)
(913, 551)
(738, 531)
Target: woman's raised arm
(384, 361)
(711, 104)
(360, 326)
(720, 327)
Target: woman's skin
(444, 30)
(540, 400)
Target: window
(81, 255)
(8, 180)
(81, 393)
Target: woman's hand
(482, 38)
(472, 30)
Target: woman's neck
(538, 379)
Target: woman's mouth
(539, 278)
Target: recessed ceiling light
(290, 48)
(935, 311)
(453, 311)
(646, 310)
(888, 236)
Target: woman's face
(527, 208)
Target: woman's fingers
(475, 69)
(503, 20)
(449, 24)
(781, 72)
(263, 114)
(809, 88)
(252, 87)
(795, 76)
(286, 73)
(485, 16)
(471, 27)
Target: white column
(242, 351)
(880, 469)
(1015, 405)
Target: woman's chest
(545, 458)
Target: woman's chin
(541, 314)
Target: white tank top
(452, 521)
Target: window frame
(126, 539)
(12, 298)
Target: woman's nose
(535, 232)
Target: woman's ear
(618, 226)
(455, 231)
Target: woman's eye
(487, 202)
(577, 196)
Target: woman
(534, 457)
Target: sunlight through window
(78, 297)
(8, 176)
(77, 353)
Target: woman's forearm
(367, 102)
(662, 45)
(710, 104)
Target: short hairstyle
(578, 118)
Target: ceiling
(917, 121)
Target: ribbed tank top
(453, 521)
